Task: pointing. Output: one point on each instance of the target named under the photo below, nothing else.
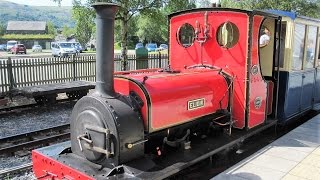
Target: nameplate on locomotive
(195, 104)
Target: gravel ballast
(31, 120)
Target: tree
(172, 6)
(84, 17)
(83, 13)
(2, 29)
(51, 28)
(152, 27)
(153, 23)
(57, 1)
(126, 11)
(302, 7)
(67, 31)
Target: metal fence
(36, 71)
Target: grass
(161, 52)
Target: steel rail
(6, 173)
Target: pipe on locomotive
(105, 17)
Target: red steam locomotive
(153, 123)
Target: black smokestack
(105, 16)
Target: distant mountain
(59, 16)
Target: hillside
(59, 16)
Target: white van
(62, 49)
(10, 44)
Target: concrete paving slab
(304, 137)
(306, 171)
(275, 163)
(307, 131)
(313, 160)
(255, 172)
(316, 151)
(286, 153)
(295, 144)
(292, 177)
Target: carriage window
(298, 48)
(227, 35)
(311, 47)
(185, 35)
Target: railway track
(7, 173)
(26, 141)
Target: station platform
(294, 156)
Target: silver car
(63, 49)
(36, 48)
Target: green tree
(152, 27)
(127, 10)
(67, 31)
(84, 17)
(153, 24)
(302, 7)
(83, 14)
(171, 6)
(51, 28)
(2, 29)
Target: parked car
(18, 48)
(3, 47)
(10, 44)
(162, 47)
(36, 48)
(78, 47)
(139, 45)
(151, 47)
(62, 49)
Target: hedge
(27, 36)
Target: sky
(42, 2)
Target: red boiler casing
(170, 99)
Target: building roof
(26, 26)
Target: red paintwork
(124, 86)
(170, 92)
(232, 60)
(44, 167)
(258, 87)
